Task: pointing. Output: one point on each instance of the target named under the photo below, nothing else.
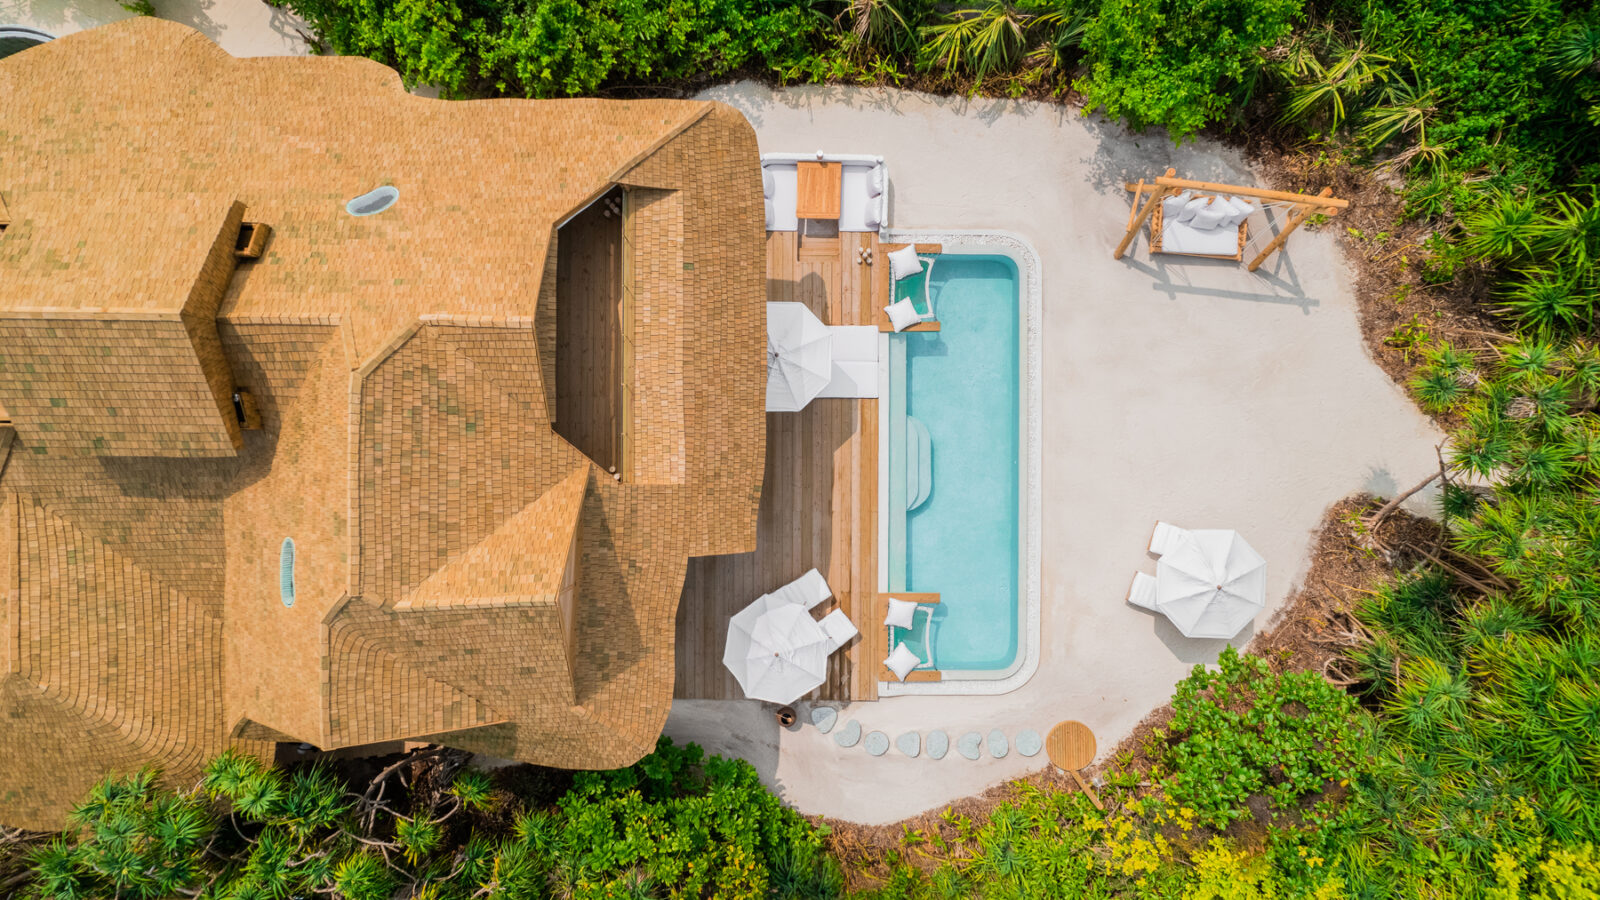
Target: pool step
(919, 463)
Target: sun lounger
(855, 362)
(839, 628)
(1164, 538)
(1142, 593)
(859, 208)
(808, 590)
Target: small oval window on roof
(17, 38)
(286, 572)
(373, 202)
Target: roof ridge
(556, 513)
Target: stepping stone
(970, 745)
(824, 718)
(849, 735)
(877, 743)
(1029, 743)
(998, 747)
(909, 743)
(938, 744)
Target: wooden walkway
(819, 500)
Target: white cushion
(902, 661)
(1189, 209)
(766, 204)
(902, 613)
(875, 182)
(1177, 238)
(873, 217)
(766, 182)
(903, 263)
(1208, 217)
(903, 314)
(1172, 207)
(1236, 211)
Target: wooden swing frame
(1305, 206)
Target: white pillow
(903, 263)
(1190, 208)
(872, 219)
(900, 613)
(1235, 212)
(875, 181)
(766, 182)
(903, 315)
(902, 661)
(1172, 207)
(1209, 217)
(767, 205)
(1246, 208)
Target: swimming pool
(955, 447)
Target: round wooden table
(1071, 747)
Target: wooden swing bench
(1303, 206)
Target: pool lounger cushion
(904, 263)
(903, 314)
(901, 614)
(902, 661)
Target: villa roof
(460, 571)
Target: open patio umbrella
(799, 356)
(776, 650)
(1211, 584)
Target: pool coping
(1026, 258)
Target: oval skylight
(373, 202)
(17, 38)
(286, 572)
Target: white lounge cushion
(902, 314)
(1194, 205)
(1208, 217)
(876, 181)
(902, 661)
(785, 197)
(854, 342)
(1142, 593)
(903, 263)
(766, 182)
(873, 218)
(1164, 538)
(852, 380)
(855, 197)
(901, 614)
(839, 629)
(1180, 238)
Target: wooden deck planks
(819, 499)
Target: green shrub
(1179, 64)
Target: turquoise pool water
(954, 462)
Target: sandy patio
(1182, 389)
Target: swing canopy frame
(1301, 207)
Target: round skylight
(17, 38)
(374, 201)
(286, 572)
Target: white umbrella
(1211, 584)
(799, 356)
(776, 650)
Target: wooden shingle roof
(461, 571)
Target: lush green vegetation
(674, 825)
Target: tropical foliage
(674, 825)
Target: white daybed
(855, 362)
(863, 190)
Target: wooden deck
(819, 500)
(589, 359)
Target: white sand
(1191, 391)
(241, 27)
